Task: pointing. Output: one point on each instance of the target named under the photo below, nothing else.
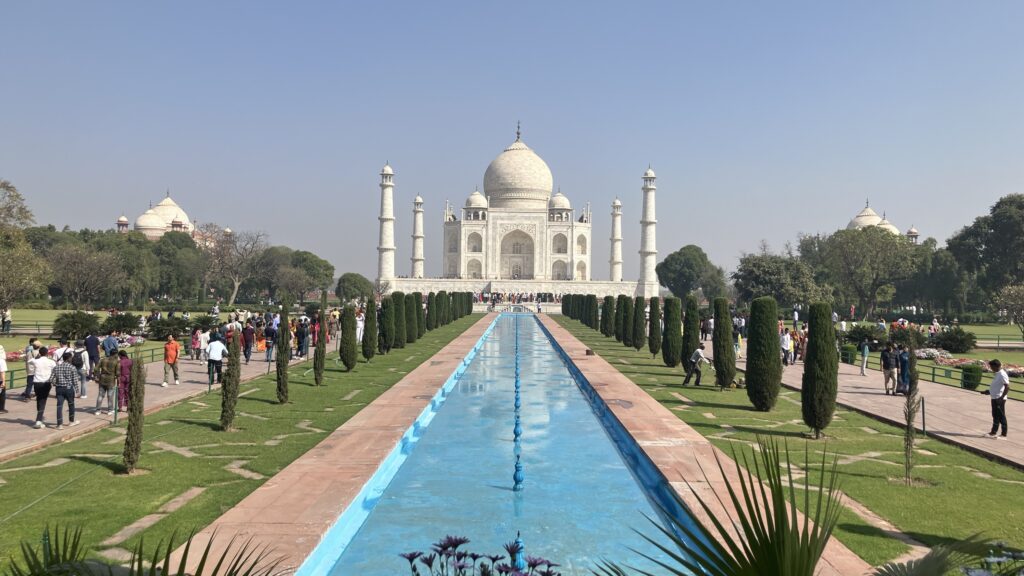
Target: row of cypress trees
(628, 319)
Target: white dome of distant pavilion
(866, 217)
(169, 211)
(387, 169)
(559, 202)
(476, 200)
(518, 178)
(418, 199)
(886, 225)
(123, 219)
(649, 173)
(913, 232)
(150, 224)
(616, 202)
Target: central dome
(518, 178)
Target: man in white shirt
(696, 359)
(215, 352)
(785, 343)
(43, 369)
(998, 391)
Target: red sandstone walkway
(955, 415)
(20, 437)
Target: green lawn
(990, 331)
(954, 484)
(78, 482)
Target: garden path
(19, 437)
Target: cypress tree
(320, 352)
(431, 311)
(821, 370)
(387, 324)
(627, 322)
(398, 302)
(725, 354)
(284, 352)
(136, 415)
(592, 305)
(672, 350)
(232, 379)
(608, 316)
(691, 332)
(654, 328)
(565, 305)
(442, 304)
(764, 362)
(412, 330)
(370, 331)
(347, 350)
(421, 316)
(639, 323)
(620, 310)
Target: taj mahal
(518, 236)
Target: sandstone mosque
(518, 236)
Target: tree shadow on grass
(210, 424)
(113, 464)
(263, 400)
(738, 407)
(802, 435)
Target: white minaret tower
(615, 261)
(417, 237)
(647, 285)
(386, 245)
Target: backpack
(77, 361)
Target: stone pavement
(19, 437)
(951, 414)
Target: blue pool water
(586, 486)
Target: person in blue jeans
(865, 349)
(270, 333)
(65, 382)
(903, 355)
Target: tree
(821, 370)
(608, 316)
(85, 276)
(721, 345)
(431, 311)
(180, 265)
(387, 325)
(682, 271)
(14, 212)
(863, 261)
(911, 406)
(320, 352)
(442, 308)
(992, 245)
(1011, 301)
(370, 331)
(412, 332)
(671, 351)
(284, 352)
(712, 282)
(654, 328)
(232, 380)
(136, 415)
(787, 279)
(421, 315)
(291, 283)
(592, 311)
(691, 331)
(639, 323)
(347, 350)
(398, 302)
(25, 272)
(353, 286)
(627, 322)
(764, 361)
(320, 272)
(238, 255)
(620, 310)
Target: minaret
(615, 262)
(648, 282)
(386, 245)
(417, 237)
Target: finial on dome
(168, 194)
(518, 133)
(867, 202)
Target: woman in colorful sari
(124, 381)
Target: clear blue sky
(762, 119)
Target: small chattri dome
(616, 203)
(418, 199)
(559, 202)
(649, 173)
(913, 232)
(150, 220)
(123, 219)
(387, 169)
(476, 200)
(227, 230)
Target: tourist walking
(107, 374)
(903, 357)
(31, 353)
(3, 380)
(92, 346)
(43, 370)
(5, 321)
(124, 380)
(704, 330)
(270, 333)
(65, 383)
(195, 350)
(248, 340)
(696, 359)
(889, 360)
(865, 350)
(361, 324)
(998, 391)
(80, 360)
(109, 343)
(171, 351)
(204, 343)
(785, 343)
(215, 353)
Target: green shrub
(123, 322)
(136, 415)
(875, 336)
(75, 325)
(764, 361)
(398, 301)
(347, 347)
(848, 354)
(320, 352)
(639, 323)
(821, 370)
(431, 311)
(204, 322)
(370, 331)
(411, 328)
(608, 316)
(592, 311)
(654, 328)
(230, 384)
(722, 348)
(672, 349)
(970, 377)
(955, 340)
(284, 353)
(421, 316)
(627, 322)
(620, 310)
(387, 324)
(160, 329)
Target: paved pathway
(20, 437)
(955, 415)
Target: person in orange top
(171, 351)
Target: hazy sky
(762, 119)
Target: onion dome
(866, 217)
(559, 202)
(518, 178)
(476, 200)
